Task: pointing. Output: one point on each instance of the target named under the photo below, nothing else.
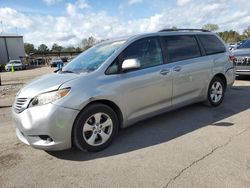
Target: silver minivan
(119, 82)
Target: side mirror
(129, 64)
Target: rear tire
(95, 128)
(216, 91)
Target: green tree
(56, 48)
(210, 27)
(69, 49)
(78, 49)
(29, 48)
(43, 48)
(174, 28)
(230, 36)
(246, 33)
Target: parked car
(64, 59)
(16, 64)
(242, 58)
(55, 61)
(232, 46)
(38, 61)
(119, 82)
(68, 60)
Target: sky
(67, 22)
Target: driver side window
(147, 51)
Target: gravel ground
(13, 82)
(195, 146)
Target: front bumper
(242, 68)
(35, 124)
(242, 72)
(7, 68)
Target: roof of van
(161, 33)
(186, 29)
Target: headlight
(49, 97)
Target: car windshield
(245, 44)
(92, 58)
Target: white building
(11, 48)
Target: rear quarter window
(211, 44)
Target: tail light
(232, 58)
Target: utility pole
(1, 22)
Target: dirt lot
(195, 146)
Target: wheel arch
(223, 77)
(110, 104)
(220, 76)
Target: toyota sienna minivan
(119, 82)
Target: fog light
(49, 139)
(46, 138)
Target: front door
(149, 88)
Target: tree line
(229, 36)
(43, 48)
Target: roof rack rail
(201, 30)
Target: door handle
(164, 71)
(177, 68)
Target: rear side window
(212, 44)
(181, 47)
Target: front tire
(95, 128)
(216, 91)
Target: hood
(44, 84)
(241, 52)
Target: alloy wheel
(216, 92)
(97, 129)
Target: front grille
(20, 104)
(242, 61)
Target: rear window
(181, 47)
(212, 44)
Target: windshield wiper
(66, 71)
